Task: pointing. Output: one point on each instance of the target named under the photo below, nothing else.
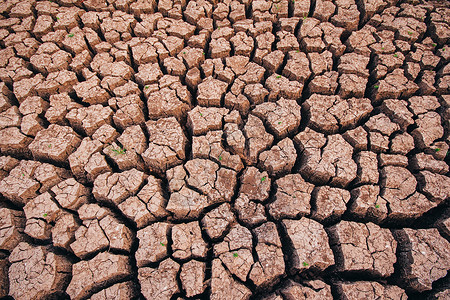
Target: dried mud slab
(99, 231)
(292, 198)
(11, 228)
(309, 243)
(167, 144)
(313, 289)
(55, 143)
(326, 160)
(363, 248)
(104, 268)
(400, 192)
(153, 242)
(369, 289)
(122, 291)
(423, 257)
(160, 282)
(37, 273)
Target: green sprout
(377, 206)
(304, 17)
(305, 264)
(119, 151)
(377, 86)
(279, 76)
(443, 49)
(410, 32)
(293, 196)
(147, 86)
(184, 52)
(201, 115)
(395, 55)
(162, 244)
(49, 145)
(434, 45)
(437, 149)
(57, 18)
(220, 157)
(263, 179)
(23, 174)
(382, 48)
(71, 35)
(279, 122)
(297, 51)
(46, 214)
(204, 53)
(235, 254)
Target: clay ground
(266, 149)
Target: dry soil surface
(228, 150)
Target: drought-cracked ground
(266, 149)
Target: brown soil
(227, 150)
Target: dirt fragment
(422, 257)
(363, 248)
(309, 243)
(160, 282)
(104, 268)
(36, 272)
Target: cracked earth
(228, 150)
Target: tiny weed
(46, 214)
(434, 45)
(395, 55)
(304, 17)
(201, 115)
(220, 157)
(147, 86)
(279, 123)
(305, 264)
(377, 86)
(162, 244)
(377, 206)
(49, 145)
(23, 174)
(279, 76)
(293, 1)
(184, 52)
(382, 48)
(57, 18)
(293, 196)
(437, 149)
(443, 49)
(204, 53)
(297, 51)
(71, 35)
(119, 151)
(410, 32)
(235, 254)
(263, 179)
